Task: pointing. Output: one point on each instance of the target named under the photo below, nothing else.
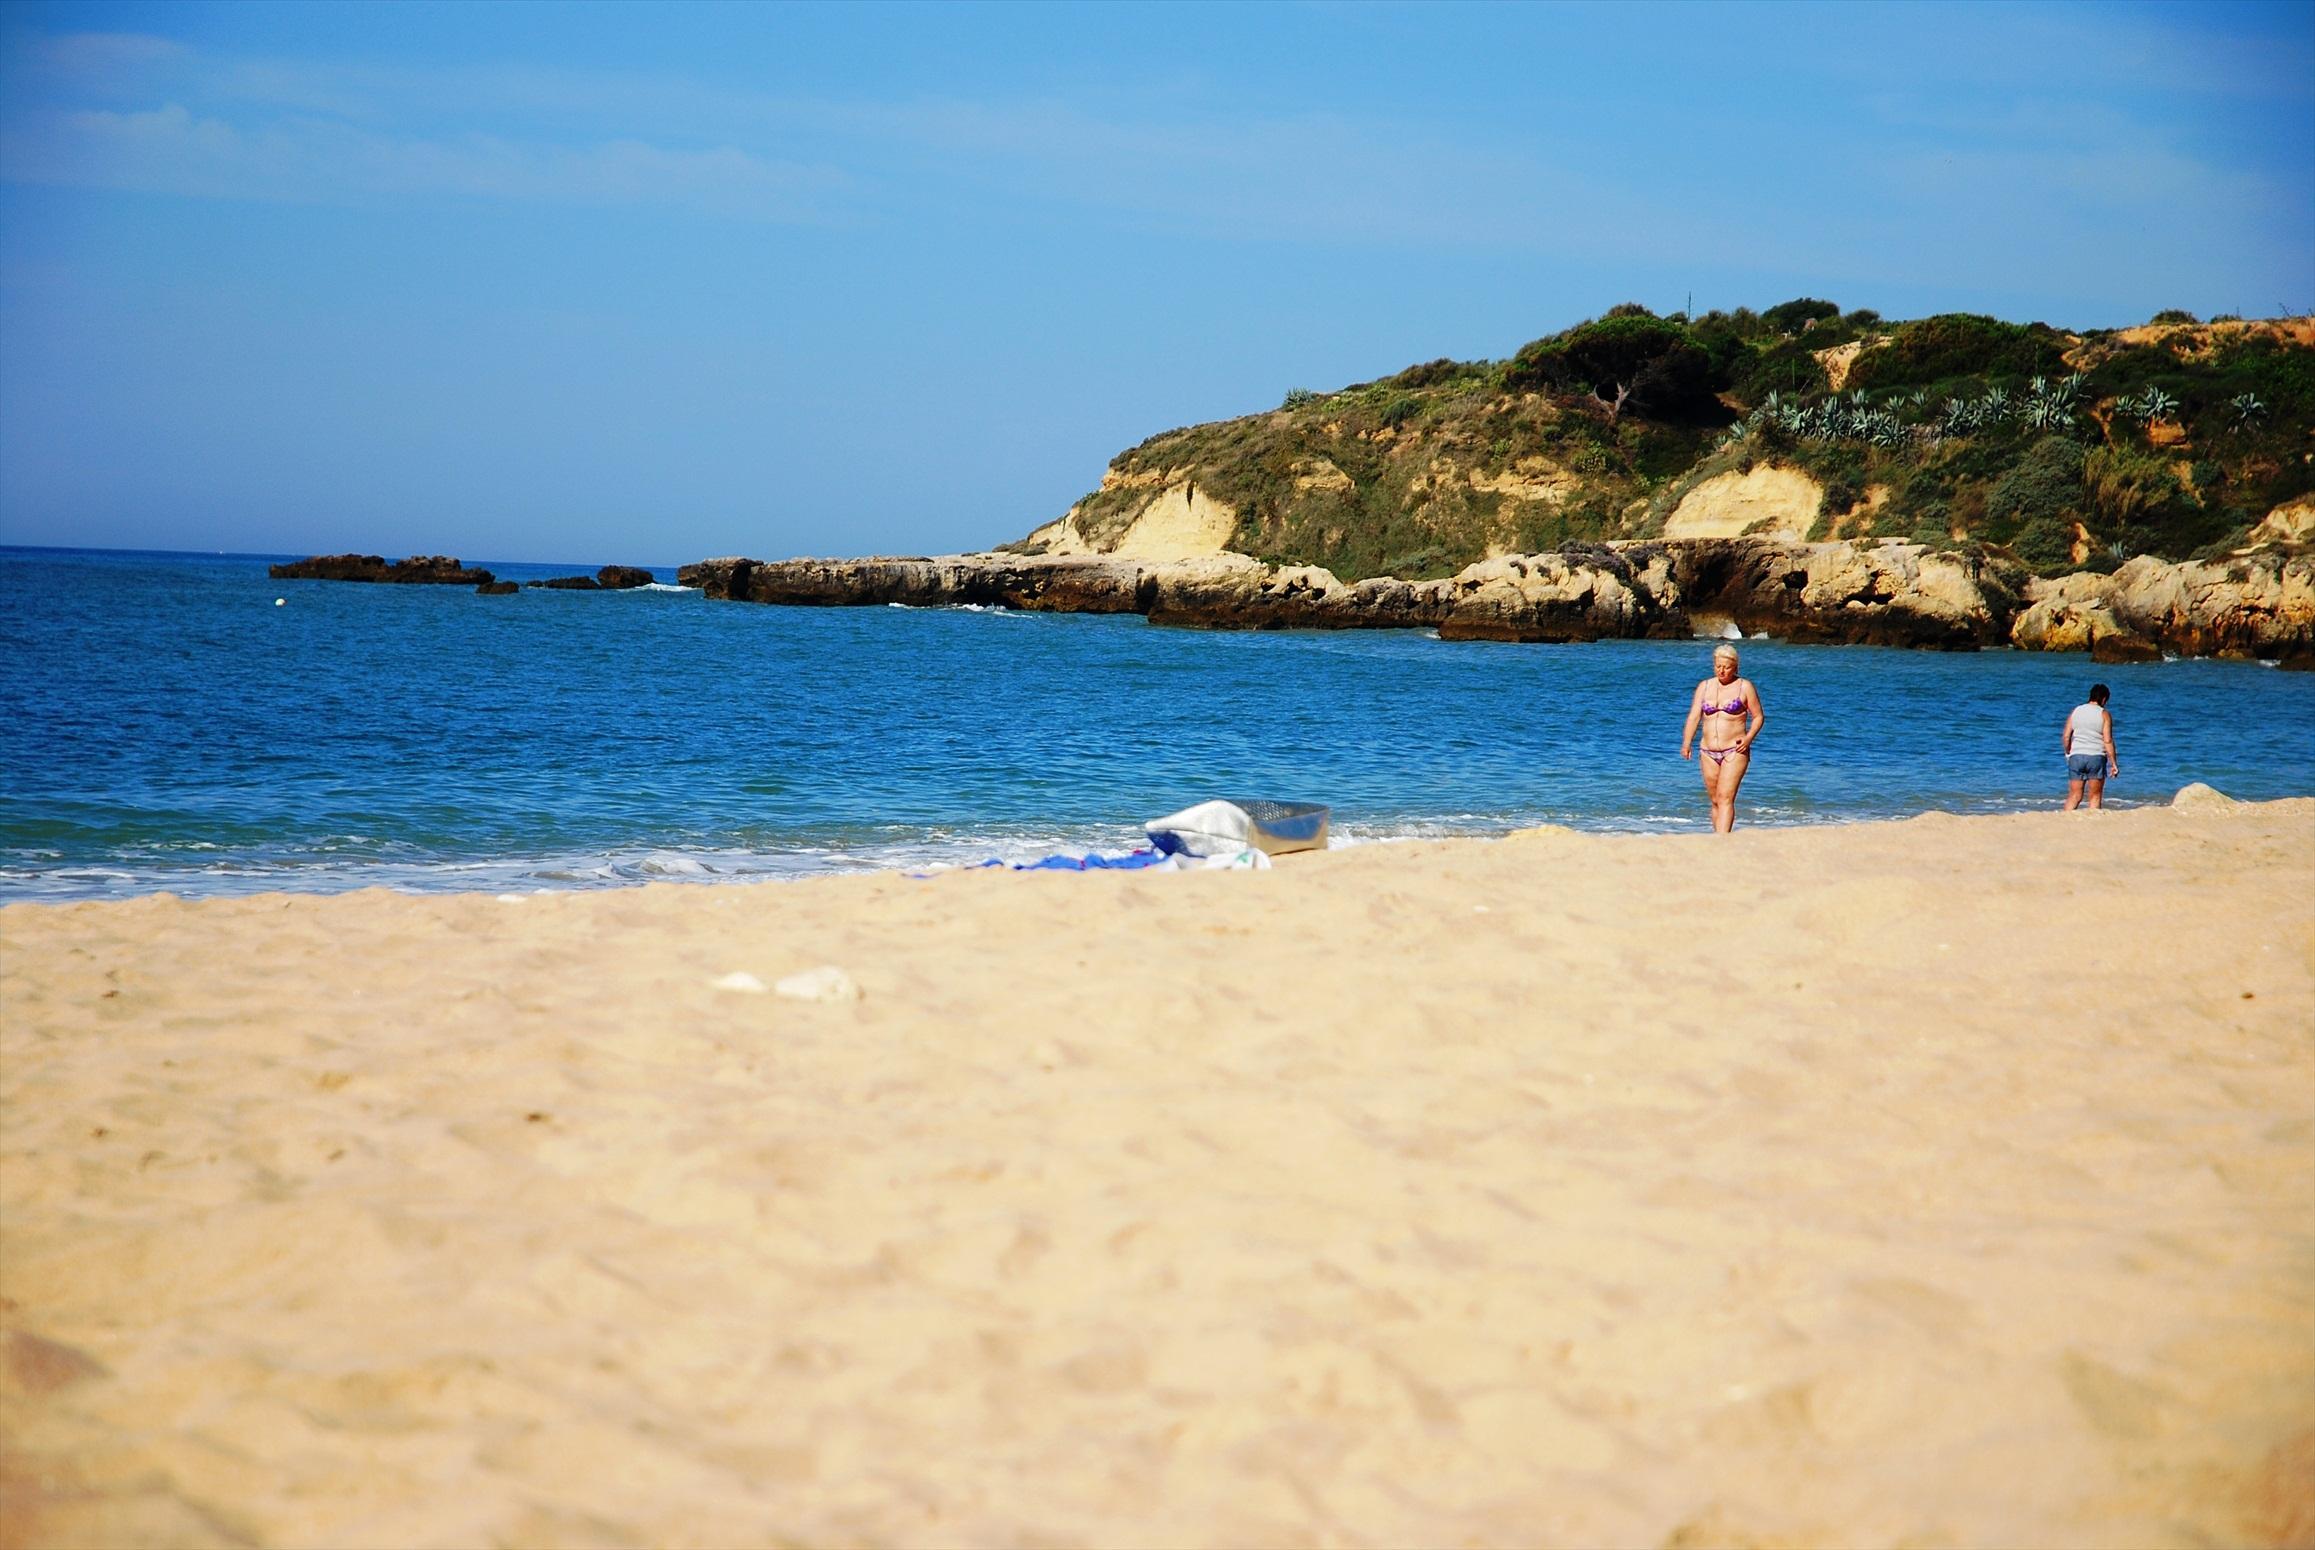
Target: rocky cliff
(2060, 450)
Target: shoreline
(697, 868)
(1558, 1189)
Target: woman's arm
(1695, 714)
(2113, 760)
(1758, 713)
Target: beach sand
(1948, 1181)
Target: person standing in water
(1727, 709)
(2088, 738)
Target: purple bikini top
(1734, 707)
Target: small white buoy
(281, 602)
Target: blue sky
(649, 284)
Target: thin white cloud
(328, 132)
(106, 54)
(2056, 166)
(172, 150)
(1283, 177)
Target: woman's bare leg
(1724, 801)
(2073, 795)
(2095, 790)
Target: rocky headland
(1888, 593)
(1953, 482)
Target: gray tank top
(2086, 728)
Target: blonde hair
(1724, 649)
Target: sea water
(164, 725)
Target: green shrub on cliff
(1440, 373)
(1960, 344)
(1791, 317)
(2128, 488)
(2038, 495)
(1649, 364)
(1790, 368)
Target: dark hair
(2097, 694)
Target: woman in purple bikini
(1728, 709)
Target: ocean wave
(998, 609)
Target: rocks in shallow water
(1849, 593)
(727, 579)
(1881, 594)
(2249, 606)
(441, 570)
(611, 578)
(1569, 596)
(2124, 646)
(419, 569)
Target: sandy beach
(1947, 1181)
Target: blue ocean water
(163, 725)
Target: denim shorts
(2086, 766)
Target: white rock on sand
(826, 983)
(1940, 1182)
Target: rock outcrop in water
(611, 578)
(442, 570)
(2248, 606)
(1886, 594)
(419, 569)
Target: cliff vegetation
(2058, 450)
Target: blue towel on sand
(1133, 861)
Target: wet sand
(1940, 1182)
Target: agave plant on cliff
(2147, 408)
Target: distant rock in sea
(611, 578)
(442, 570)
(419, 569)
